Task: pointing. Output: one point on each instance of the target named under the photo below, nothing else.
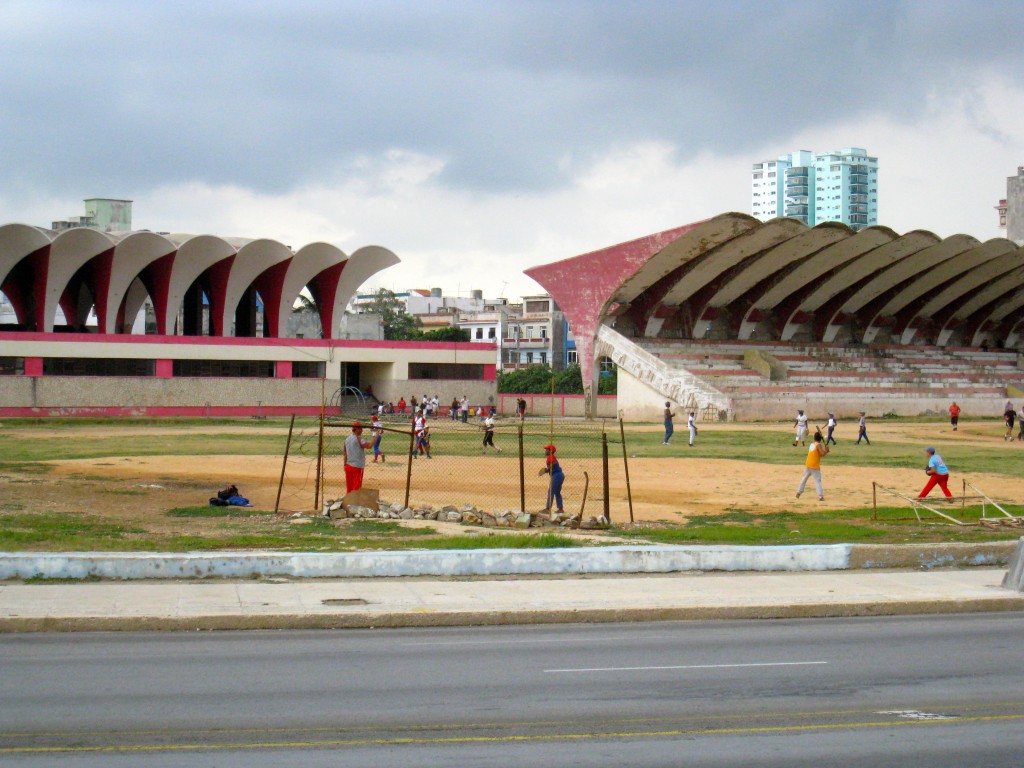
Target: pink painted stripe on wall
(242, 341)
(116, 411)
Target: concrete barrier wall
(767, 406)
(423, 563)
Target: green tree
(448, 333)
(398, 324)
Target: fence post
(625, 463)
(604, 467)
(874, 500)
(522, 472)
(284, 464)
(319, 464)
(408, 468)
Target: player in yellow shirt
(812, 466)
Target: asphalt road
(930, 691)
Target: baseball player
(801, 428)
(812, 467)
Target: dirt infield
(663, 489)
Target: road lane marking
(691, 666)
(454, 740)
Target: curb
(495, 618)
(573, 561)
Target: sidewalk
(354, 603)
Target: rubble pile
(466, 515)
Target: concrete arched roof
(18, 241)
(252, 260)
(307, 263)
(779, 275)
(124, 267)
(71, 250)
(196, 254)
(131, 255)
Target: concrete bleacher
(848, 378)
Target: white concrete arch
(361, 265)
(857, 270)
(196, 254)
(694, 243)
(252, 260)
(966, 284)
(131, 255)
(976, 301)
(18, 241)
(729, 254)
(71, 250)
(821, 263)
(308, 262)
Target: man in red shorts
(355, 458)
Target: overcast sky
(478, 138)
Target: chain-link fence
(452, 464)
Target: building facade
(817, 187)
(1012, 213)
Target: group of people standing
(691, 424)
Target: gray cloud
(119, 98)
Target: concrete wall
(478, 392)
(565, 405)
(769, 407)
(68, 395)
(638, 401)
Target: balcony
(796, 210)
(858, 178)
(859, 169)
(858, 189)
(857, 208)
(797, 173)
(796, 189)
(858, 198)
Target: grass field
(142, 485)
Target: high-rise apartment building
(1011, 210)
(816, 187)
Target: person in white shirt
(831, 428)
(489, 434)
(801, 428)
(691, 424)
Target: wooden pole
(604, 467)
(284, 465)
(625, 463)
(874, 500)
(522, 471)
(319, 463)
(408, 469)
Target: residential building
(816, 187)
(1013, 211)
(536, 334)
(102, 213)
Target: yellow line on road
(508, 739)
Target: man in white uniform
(691, 424)
(801, 428)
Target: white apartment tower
(816, 187)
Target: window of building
(758, 175)
(492, 333)
(529, 331)
(543, 331)
(309, 369)
(572, 356)
(241, 369)
(606, 364)
(456, 371)
(834, 167)
(536, 306)
(12, 366)
(86, 366)
(771, 165)
(529, 357)
(479, 333)
(771, 175)
(543, 358)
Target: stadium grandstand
(752, 320)
(78, 341)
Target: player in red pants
(938, 474)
